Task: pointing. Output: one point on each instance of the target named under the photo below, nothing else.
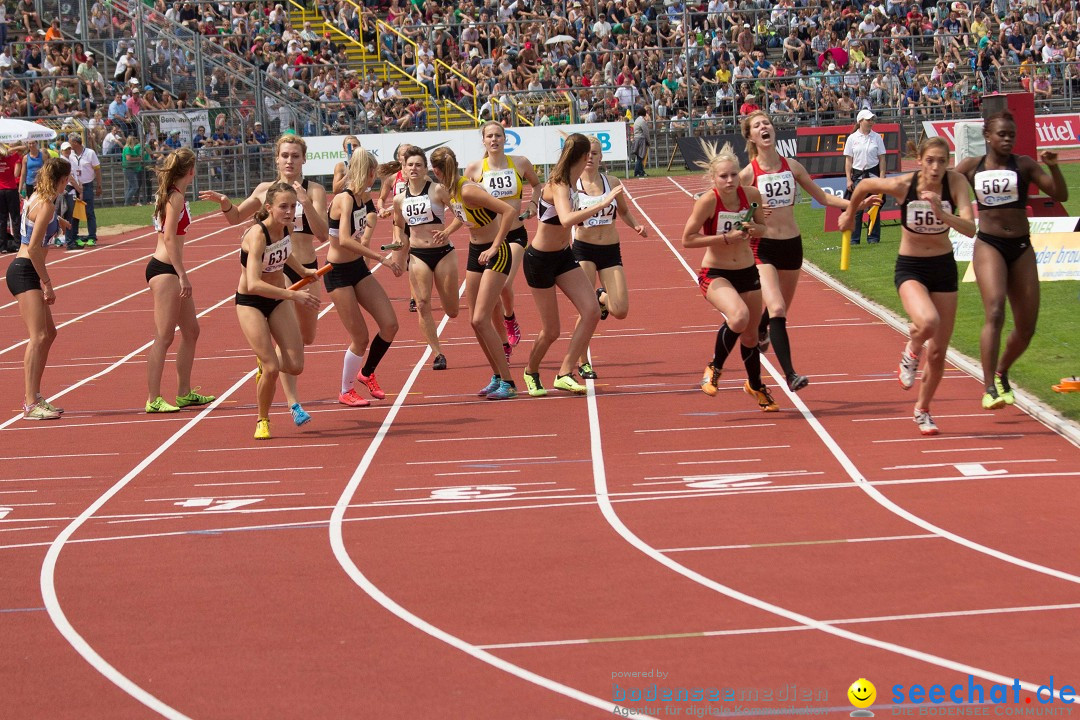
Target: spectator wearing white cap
(862, 159)
(126, 66)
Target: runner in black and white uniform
(392, 177)
(419, 226)
(596, 243)
(933, 200)
(265, 251)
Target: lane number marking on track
(474, 492)
(973, 469)
(4, 512)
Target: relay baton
(749, 213)
(873, 214)
(393, 246)
(304, 282)
(845, 250)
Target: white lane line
(252, 482)
(799, 543)
(457, 485)
(156, 518)
(48, 569)
(227, 497)
(269, 447)
(981, 462)
(33, 527)
(613, 519)
(785, 628)
(482, 460)
(705, 450)
(42, 479)
(16, 492)
(74, 455)
(718, 462)
(489, 437)
(946, 438)
(478, 472)
(907, 418)
(248, 470)
(337, 543)
(956, 450)
(114, 303)
(861, 481)
(711, 427)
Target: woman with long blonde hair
(265, 319)
(778, 253)
(549, 262)
(351, 285)
(504, 177)
(309, 225)
(729, 278)
(168, 281)
(489, 221)
(28, 280)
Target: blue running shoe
(490, 387)
(505, 391)
(299, 415)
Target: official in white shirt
(862, 158)
(86, 169)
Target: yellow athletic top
(472, 217)
(504, 183)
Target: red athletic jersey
(8, 164)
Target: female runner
(29, 282)
(932, 200)
(168, 281)
(264, 251)
(1004, 261)
(596, 243)
(309, 225)
(419, 227)
(504, 177)
(778, 253)
(489, 262)
(729, 277)
(392, 176)
(341, 169)
(549, 261)
(351, 285)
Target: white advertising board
(541, 145)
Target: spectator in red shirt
(10, 204)
(749, 105)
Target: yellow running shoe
(710, 380)
(764, 399)
(159, 405)
(262, 429)
(569, 384)
(1001, 384)
(193, 398)
(532, 384)
(991, 400)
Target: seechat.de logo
(862, 694)
(513, 141)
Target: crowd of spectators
(710, 61)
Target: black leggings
(10, 208)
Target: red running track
(440, 555)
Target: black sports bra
(918, 215)
(359, 219)
(1001, 189)
(546, 211)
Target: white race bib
(298, 218)
(501, 183)
(997, 187)
(417, 210)
(275, 255)
(921, 217)
(399, 187)
(777, 189)
(727, 222)
(603, 217)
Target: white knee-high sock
(352, 365)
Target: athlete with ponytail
(489, 221)
(778, 253)
(351, 285)
(174, 304)
(933, 200)
(729, 277)
(504, 177)
(265, 250)
(309, 226)
(392, 177)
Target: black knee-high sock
(764, 324)
(752, 361)
(375, 354)
(780, 344)
(725, 343)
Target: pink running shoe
(372, 385)
(513, 331)
(508, 349)
(352, 399)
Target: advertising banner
(186, 122)
(1054, 239)
(542, 145)
(1051, 131)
